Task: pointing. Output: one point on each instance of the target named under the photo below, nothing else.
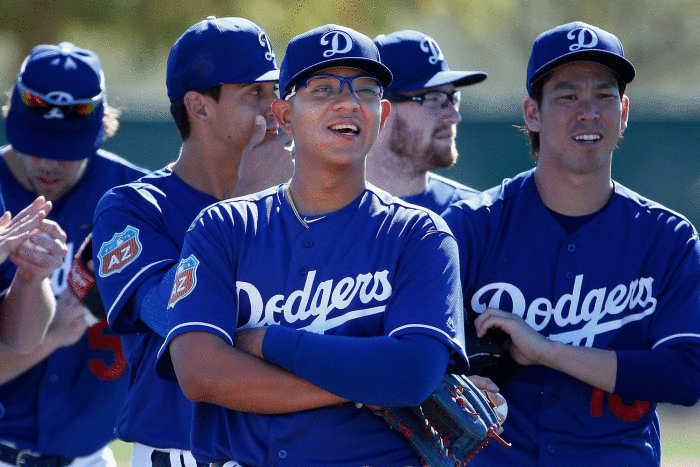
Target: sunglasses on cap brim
(70, 110)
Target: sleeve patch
(120, 251)
(185, 280)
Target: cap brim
(458, 78)
(52, 144)
(372, 67)
(619, 65)
(272, 75)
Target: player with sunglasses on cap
(419, 135)
(63, 408)
(221, 80)
(597, 287)
(290, 302)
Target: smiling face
(580, 119)
(335, 130)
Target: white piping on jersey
(433, 328)
(674, 336)
(128, 284)
(196, 323)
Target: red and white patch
(120, 251)
(185, 280)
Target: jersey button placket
(282, 454)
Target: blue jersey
(138, 236)
(440, 193)
(628, 279)
(68, 403)
(377, 267)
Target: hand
(266, 161)
(42, 252)
(493, 394)
(15, 231)
(69, 323)
(250, 340)
(527, 346)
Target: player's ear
(280, 109)
(531, 114)
(196, 105)
(386, 111)
(625, 102)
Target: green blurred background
(657, 157)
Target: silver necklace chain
(290, 201)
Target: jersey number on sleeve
(98, 340)
(630, 413)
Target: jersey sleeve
(677, 316)
(130, 247)
(427, 295)
(472, 245)
(204, 296)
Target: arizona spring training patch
(117, 253)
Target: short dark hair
(536, 90)
(179, 111)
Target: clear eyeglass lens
(440, 99)
(366, 88)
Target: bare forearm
(26, 313)
(13, 364)
(222, 375)
(596, 367)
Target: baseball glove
(451, 426)
(81, 280)
(489, 355)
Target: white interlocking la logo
(340, 42)
(429, 46)
(580, 35)
(61, 98)
(265, 42)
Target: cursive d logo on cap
(580, 35)
(429, 46)
(340, 43)
(265, 42)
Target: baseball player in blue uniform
(290, 302)
(224, 118)
(419, 135)
(62, 410)
(597, 287)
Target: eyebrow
(571, 86)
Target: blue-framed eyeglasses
(435, 100)
(367, 88)
(70, 109)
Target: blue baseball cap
(57, 103)
(416, 62)
(219, 51)
(330, 46)
(573, 42)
